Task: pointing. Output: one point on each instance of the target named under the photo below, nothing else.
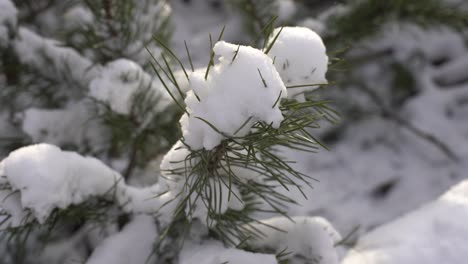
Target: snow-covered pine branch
(224, 170)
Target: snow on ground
(435, 233)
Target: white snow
(300, 58)
(78, 16)
(435, 233)
(118, 83)
(176, 159)
(11, 205)
(236, 89)
(49, 178)
(46, 178)
(8, 21)
(156, 200)
(76, 125)
(213, 252)
(134, 244)
(313, 238)
(62, 62)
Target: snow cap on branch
(311, 237)
(243, 87)
(300, 58)
(50, 178)
(119, 81)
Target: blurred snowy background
(398, 73)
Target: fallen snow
(436, 233)
(300, 58)
(133, 244)
(243, 88)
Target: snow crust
(435, 233)
(300, 58)
(313, 238)
(243, 88)
(133, 244)
(8, 21)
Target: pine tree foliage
(79, 57)
(50, 73)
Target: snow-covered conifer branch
(228, 166)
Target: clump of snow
(155, 200)
(62, 62)
(313, 238)
(78, 16)
(240, 86)
(118, 83)
(453, 72)
(49, 178)
(73, 125)
(215, 253)
(134, 244)
(300, 58)
(8, 21)
(176, 159)
(435, 233)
